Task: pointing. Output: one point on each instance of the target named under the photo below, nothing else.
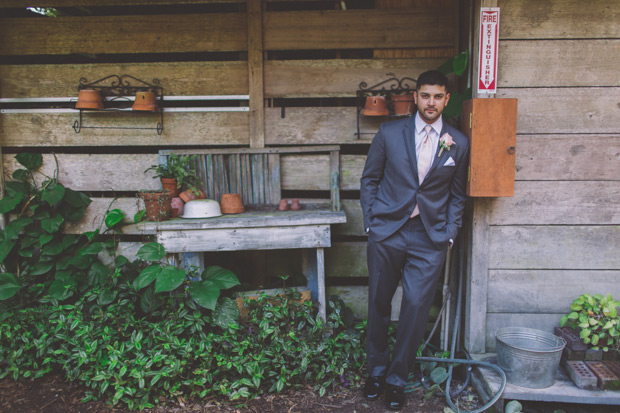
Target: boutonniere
(445, 142)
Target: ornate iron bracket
(115, 88)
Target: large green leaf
(44, 239)
(205, 293)
(76, 199)
(97, 274)
(8, 286)
(21, 175)
(226, 312)
(91, 249)
(222, 277)
(152, 251)
(52, 248)
(12, 230)
(60, 290)
(10, 201)
(52, 224)
(513, 407)
(41, 268)
(53, 194)
(439, 375)
(149, 301)
(6, 247)
(32, 161)
(147, 276)
(169, 278)
(106, 297)
(114, 217)
(80, 261)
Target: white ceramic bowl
(201, 208)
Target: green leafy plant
(456, 65)
(177, 167)
(596, 318)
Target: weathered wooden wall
(307, 56)
(559, 236)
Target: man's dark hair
(432, 77)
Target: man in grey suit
(412, 197)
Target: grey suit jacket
(390, 187)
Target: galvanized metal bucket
(529, 357)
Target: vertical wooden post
(313, 268)
(478, 271)
(255, 73)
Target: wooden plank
(346, 259)
(117, 172)
(193, 128)
(305, 236)
(545, 157)
(551, 291)
(560, 115)
(177, 78)
(363, 29)
(95, 213)
(356, 298)
(477, 277)
(558, 63)
(256, 73)
(559, 203)
(211, 32)
(337, 77)
(355, 221)
(568, 19)
(554, 247)
(310, 172)
(540, 321)
(352, 167)
(309, 125)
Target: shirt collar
(420, 124)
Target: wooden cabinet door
(491, 126)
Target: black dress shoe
(374, 388)
(395, 397)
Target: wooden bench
(255, 174)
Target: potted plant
(176, 173)
(157, 204)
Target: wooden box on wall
(491, 126)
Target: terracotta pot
(89, 99)
(145, 101)
(283, 205)
(232, 204)
(295, 206)
(178, 204)
(170, 184)
(157, 205)
(403, 104)
(375, 106)
(189, 195)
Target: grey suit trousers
(411, 255)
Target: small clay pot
(145, 101)
(375, 106)
(157, 205)
(283, 205)
(189, 195)
(178, 204)
(89, 99)
(232, 204)
(295, 206)
(170, 184)
(402, 104)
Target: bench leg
(193, 259)
(313, 268)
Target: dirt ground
(51, 394)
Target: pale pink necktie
(425, 160)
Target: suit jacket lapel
(437, 160)
(409, 137)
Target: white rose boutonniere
(445, 142)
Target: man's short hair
(432, 77)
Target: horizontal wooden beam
(176, 78)
(97, 3)
(550, 291)
(558, 63)
(554, 247)
(197, 128)
(545, 157)
(559, 203)
(174, 33)
(360, 29)
(567, 19)
(559, 113)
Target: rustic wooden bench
(255, 174)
